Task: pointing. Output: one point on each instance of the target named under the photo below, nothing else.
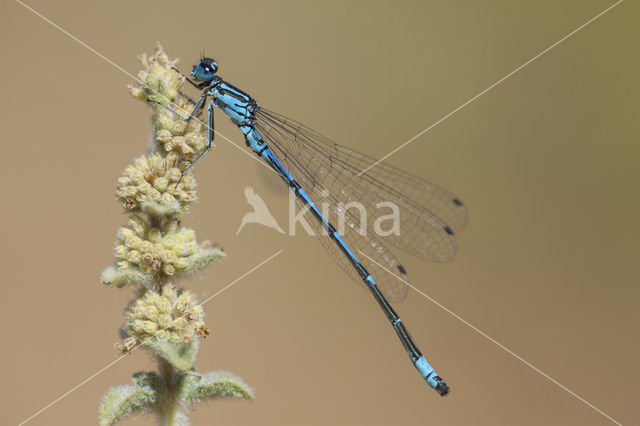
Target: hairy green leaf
(123, 401)
(193, 387)
(181, 355)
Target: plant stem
(170, 407)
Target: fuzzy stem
(170, 408)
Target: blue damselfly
(315, 167)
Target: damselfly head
(205, 70)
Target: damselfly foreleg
(211, 133)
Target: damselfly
(314, 167)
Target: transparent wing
(425, 227)
(436, 200)
(433, 198)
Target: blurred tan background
(547, 163)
